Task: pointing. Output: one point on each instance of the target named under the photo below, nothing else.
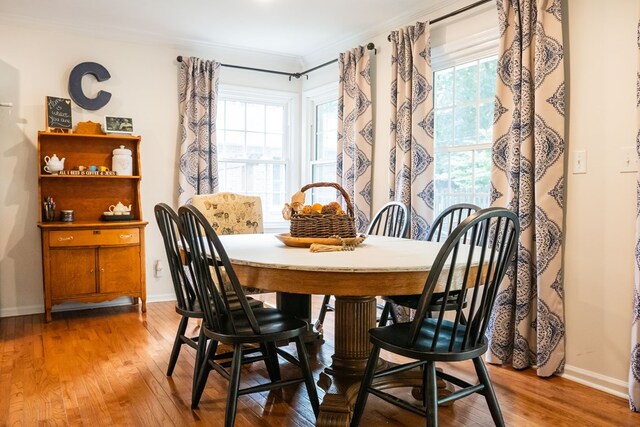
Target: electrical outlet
(580, 161)
(628, 160)
(157, 268)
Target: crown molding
(332, 50)
(182, 45)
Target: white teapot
(120, 209)
(53, 164)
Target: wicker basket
(324, 225)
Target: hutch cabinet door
(119, 269)
(73, 272)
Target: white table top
(375, 254)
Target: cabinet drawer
(122, 236)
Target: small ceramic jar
(66, 215)
(121, 162)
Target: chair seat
(411, 301)
(234, 304)
(274, 325)
(394, 338)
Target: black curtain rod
(370, 46)
(454, 13)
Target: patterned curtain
(634, 370)
(411, 155)
(528, 177)
(355, 132)
(198, 88)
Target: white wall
(600, 224)
(599, 248)
(143, 85)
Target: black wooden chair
(261, 327)
(183, 284)
(441, 228)
(391, 221)
(428, 340)
(183, 279)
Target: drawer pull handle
(65, 239)
(126, 236)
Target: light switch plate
(628, 159)
(580, 161)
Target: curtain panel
(634, 369)
(198, 163)
(411, 151)
(528, 326)
(355, 132)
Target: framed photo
(118, 124)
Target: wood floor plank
(106, 367)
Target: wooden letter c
(75, 85)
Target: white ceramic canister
(122, 162)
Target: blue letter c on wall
(75, 85)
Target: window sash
(456, 144)
(276, 175)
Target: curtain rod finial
(371, 46)
(179, 58)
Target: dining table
(377, 266)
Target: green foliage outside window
(463, 106)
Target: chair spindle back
(213, 269)
(449, 219)
(182, 275)
(391, 221)
(474, 258)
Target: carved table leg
(354, 316)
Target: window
(254, 157)
(463, 120)
(323, 141)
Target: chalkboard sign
(58, 113)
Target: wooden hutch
(90, 259)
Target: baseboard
(21, 311)
(600, 382)
(71, 306)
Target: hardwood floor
(106, 367)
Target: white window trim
(312, 97)
(291, 150)
(473, 48)
(464, 50)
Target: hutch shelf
(89, 259)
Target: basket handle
(338, 187)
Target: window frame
(455, 54)
(291, 151)
(313, 98)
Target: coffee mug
(103, 168)
(82, 168)
(93, 168)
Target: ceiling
(295, 28)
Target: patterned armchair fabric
(230, 213)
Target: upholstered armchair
(231, 213)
